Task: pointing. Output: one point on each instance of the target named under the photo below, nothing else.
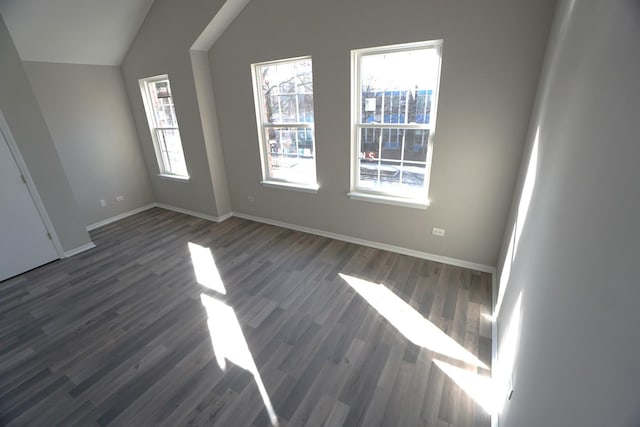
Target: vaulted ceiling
(74, 31)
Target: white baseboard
(193, 213)
(225, 216)
(342, 237)
(157, 205)
(377, 245)
(119, 217)
(79, 249)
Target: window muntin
(284, 110)
(394, 109)
(163, 124)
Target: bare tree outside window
(284, 104)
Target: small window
(283, 93)
(161, 115)
(394, 98)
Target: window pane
(370, 143)
(272, 108)
(392, 144)
(163, 124)
(287, 91)
(162, 101)
(291, 154)
(415, 145)
(304, 75)
(392, 177)
(420, 110)
(288, 109)
(396, 87)
(170, 147)
(413, 176)
(387, 144)
(305, 108)
(379, 175)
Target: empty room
(319, 213)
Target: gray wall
(492, 55)
(576, 264)
(21, 110)
(211, 129)
(162, 47)
(88, 114)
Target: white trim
(147, 101)
(79, 249)
(35, 196)
(107, 221)
(178, 178)
(291, 186)
(162, 206)
(356, 113)
(262, 123)
(388, 200)
(194, 213)
(225, 16)
(377, 245)
(391, 248)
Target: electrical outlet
(119, 198)
(103, 203)
(438, 232)
(251, 199)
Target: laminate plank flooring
(279, 327)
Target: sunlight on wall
(205, 268)
(409, 322)
(505, 275)
(527, 191)
(503, 372)
(518, 227)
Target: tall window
(161, 115)
(283, 93)
(393, 113)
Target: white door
(24, 241)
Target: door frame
(31, 186)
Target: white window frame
(154, 128)
(367, 194)
(263, 125)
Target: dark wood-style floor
(124, 334)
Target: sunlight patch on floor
(204, 266)
(480, 388)
(415, 327)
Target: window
(394, 102)
(161, 115)
(283, 92)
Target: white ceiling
(74, 31)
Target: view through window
(284, 110)
(161, 114)
(394, 101)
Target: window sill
(177, 178)
(388, 200)
(291, 186)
